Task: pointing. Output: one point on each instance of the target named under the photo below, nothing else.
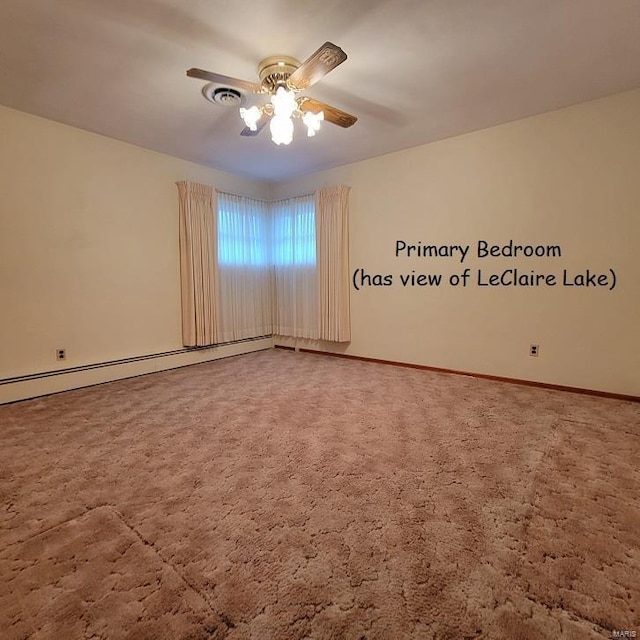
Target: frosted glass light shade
(313, 120)
(251, 117)
(281, 129)
(284, 102)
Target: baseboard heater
(113, 363)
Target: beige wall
(89, 252)
(568, 178)
(89, 249)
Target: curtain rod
(237, 195)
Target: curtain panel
(245, 280)
(293, 252)
(198, 263)
(332, 241)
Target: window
(256, 233)
(294, 232)
(266, 267)
(243, 231)
(295, 273)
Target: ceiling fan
(282, 77)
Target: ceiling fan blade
(326, 58)
(331, 114)
(262, 123)
(201, 74)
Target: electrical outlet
(534, 350)
(61, 354)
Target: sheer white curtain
(293, 247)
(245, 275)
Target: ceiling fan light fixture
(251, 117)
(281, 128)
(312, 121)
(284, 102)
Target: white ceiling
(418, 70)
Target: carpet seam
(112, 509)
(55, 526)
(572, 615)
(222, 617)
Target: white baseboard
(43, 384)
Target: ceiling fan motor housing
(274, 71)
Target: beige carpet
(296, 496)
